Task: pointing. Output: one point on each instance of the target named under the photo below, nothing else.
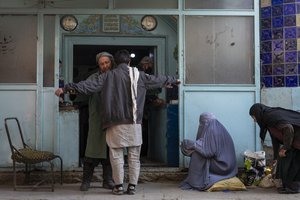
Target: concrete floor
(154, 184)
(165, 190)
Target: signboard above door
(111, 23)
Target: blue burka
(212, 155)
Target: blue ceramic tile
(291, 81)
(289, 9)
(299, 57)
(277, 2)
(290, 57)
(266, 46)
(277, 33)
(266, 58)
(298, 32)
(277, 22)
(290, 32)
(277, 45)
(290, 20)
(291, 69)
(266, 12)
(267, 81)
(278, 69)
(298, 8)
(277, 10)
(266, 23)
(291, 44)
(277, 57)
(288, 1)
(278, 81)
(266, 70)
(266, 34)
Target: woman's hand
(282, 153)
(188, 144)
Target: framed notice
(111, 23)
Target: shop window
(219, 4)
(18, 48)
(146, 4)
(219, 50)
(49, 51)
(77, 4)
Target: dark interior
(84, 65)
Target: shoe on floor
(84, 186)
(108, 184)
(131, 189)
(286, 190)
(118, 190)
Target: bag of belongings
(254, 166)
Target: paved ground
(145, 191)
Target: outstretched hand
(170, 85)
(59, 91)
(188, 144)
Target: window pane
(18, 40)
(19, 4)
(219, 4)
(158, 4)
(220, 53)
(77, 4)
(49, 41)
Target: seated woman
(212, 155)
(284, 128)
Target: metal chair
(29, 156)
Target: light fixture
(132, 55)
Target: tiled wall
(280, 43)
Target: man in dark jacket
(123, 91)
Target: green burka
(96, 141)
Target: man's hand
(169, 85)
(59, 91)
(159, 102)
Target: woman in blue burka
(212, 155)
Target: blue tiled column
(280, 43)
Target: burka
(288, 167)
(270, 116)
(212, 155)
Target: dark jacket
(115, 87)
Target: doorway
(80, 61)
(84, 65)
